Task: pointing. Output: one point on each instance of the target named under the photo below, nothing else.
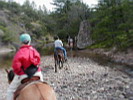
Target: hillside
(15, 19)
(9, 30)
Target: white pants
(16, 82)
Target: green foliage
(7, 37)
(15, 8)
(68, 16)
(3, 28)
(62, 34)
(103, 44)
(46, 51)
(111, 23)
(3, 4)
(2, 24)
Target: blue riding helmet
(25, 37)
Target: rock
(83, 38)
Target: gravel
(82, 79)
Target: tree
(68, 15)
(111, 23)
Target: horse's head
(10, 75)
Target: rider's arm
(16, 65)
(61, 43)
(35, 57)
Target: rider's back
(58, 43)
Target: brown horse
(59, 59)
(34, 90)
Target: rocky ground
(123, 57)
(82, 79)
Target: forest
(110, 21)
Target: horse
(32, 90)
(59, 59)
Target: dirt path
(82, 79)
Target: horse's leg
(58, 61)
(60, 64)
(63, 60)
(55, 65)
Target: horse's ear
(7, 71)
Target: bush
(2, 24)
(46, 51)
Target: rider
(25, 57)
(70, 41)
(59, 45)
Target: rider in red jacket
(25, 58)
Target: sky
(50, 7)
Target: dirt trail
(82, 79)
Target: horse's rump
(59, 54)
(59, 59)
(36, 91)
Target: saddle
(59, 52)
(25, 82)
